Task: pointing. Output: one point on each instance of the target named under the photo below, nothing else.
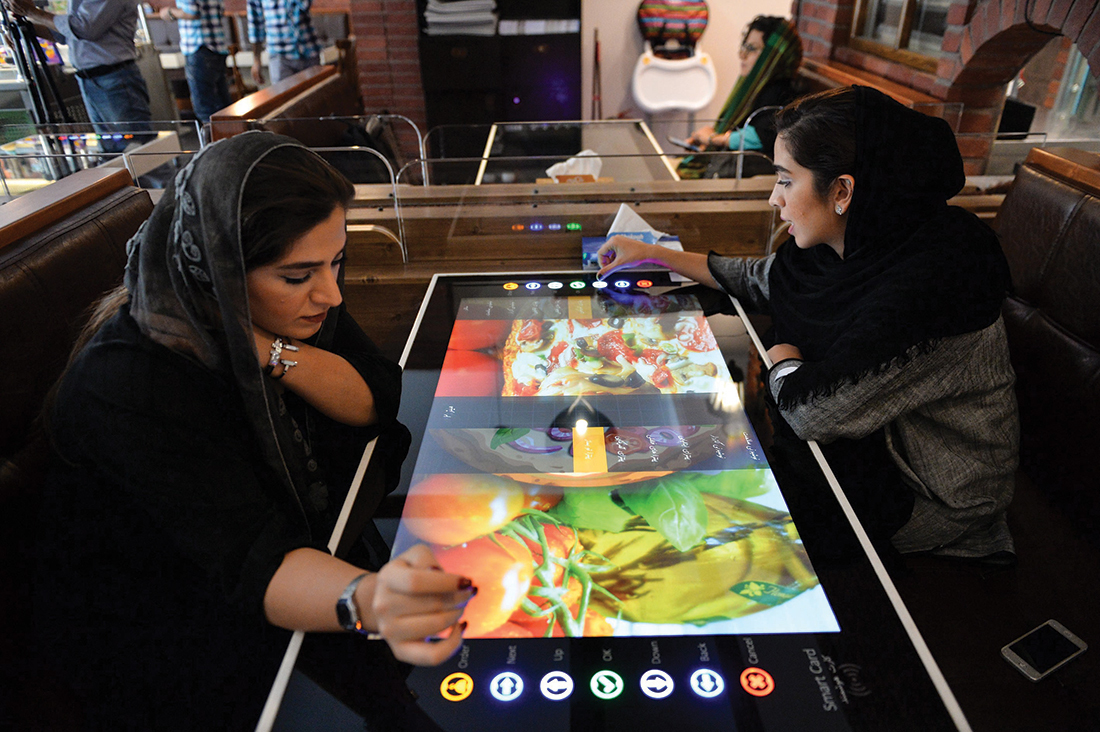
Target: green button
(607, 684)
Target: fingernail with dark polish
(473, 591)
(464, 583)
(462, 626)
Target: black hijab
(915, 270)
(186, 277)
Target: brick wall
(986, 44)
(386, 39)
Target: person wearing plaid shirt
(286, 28)
(204, 45)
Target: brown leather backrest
(1049, 225)
(71, 248)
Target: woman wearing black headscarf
(205, 436)
(890, 349)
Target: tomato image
(531, 331)
(560, 540)
(469, 373)
(501, 568)
(472, 335)
(512, 630)
(450, 508)
(595, 625)
(541, 497)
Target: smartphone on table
(1039, 652)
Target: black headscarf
(915, 270)
(186, 277)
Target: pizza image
(669, 353)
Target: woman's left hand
(782, 351)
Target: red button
(645, 283)
(757, 681)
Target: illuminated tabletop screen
(582, 452)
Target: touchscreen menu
(588, 464)
(582, 452)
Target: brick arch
(995, 43)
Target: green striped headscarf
(779, 60)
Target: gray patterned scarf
(185, 273)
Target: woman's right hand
(620, 251)
(414, 602)
(701, 137)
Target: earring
(839, 209)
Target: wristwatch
(347, 611)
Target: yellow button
(456, 687)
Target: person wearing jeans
(100, 36)
(205, 46)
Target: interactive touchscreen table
(583, 453)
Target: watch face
(345, 614)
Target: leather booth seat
(61, 248)
(1049, 227)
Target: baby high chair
(673, 72)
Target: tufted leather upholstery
(1049, 225)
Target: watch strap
(347, 610)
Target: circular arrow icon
(506, 686)
(656, 684)
(607, 684)
(556, 685)
(707, 683)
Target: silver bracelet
(280, 344)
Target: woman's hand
(620, 251)
(415, 599)
(782, 351)
(701, 137)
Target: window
(907, 31)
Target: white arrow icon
(656, 684)
(506, 686)
(556, 685)
(707, 683)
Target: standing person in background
(287, 30)
(204, 46)
(770, 54)
(100, 36)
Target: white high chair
(661, 84)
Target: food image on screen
(679, 553)
(605, 454)
(672, 353)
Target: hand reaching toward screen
(620, 251)
(414, 599)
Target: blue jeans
(206, 78)
(281, 67)
(118, 103)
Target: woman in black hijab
(205, 436)
(890, 349)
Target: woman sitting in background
(770, 54)
(205, 437)
(890, 347)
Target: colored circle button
(511, 286)
(556, 685)
(506, 686)
(707, 683)
(456, 687)
(656, 684)
(606, 684)
(757, 681)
